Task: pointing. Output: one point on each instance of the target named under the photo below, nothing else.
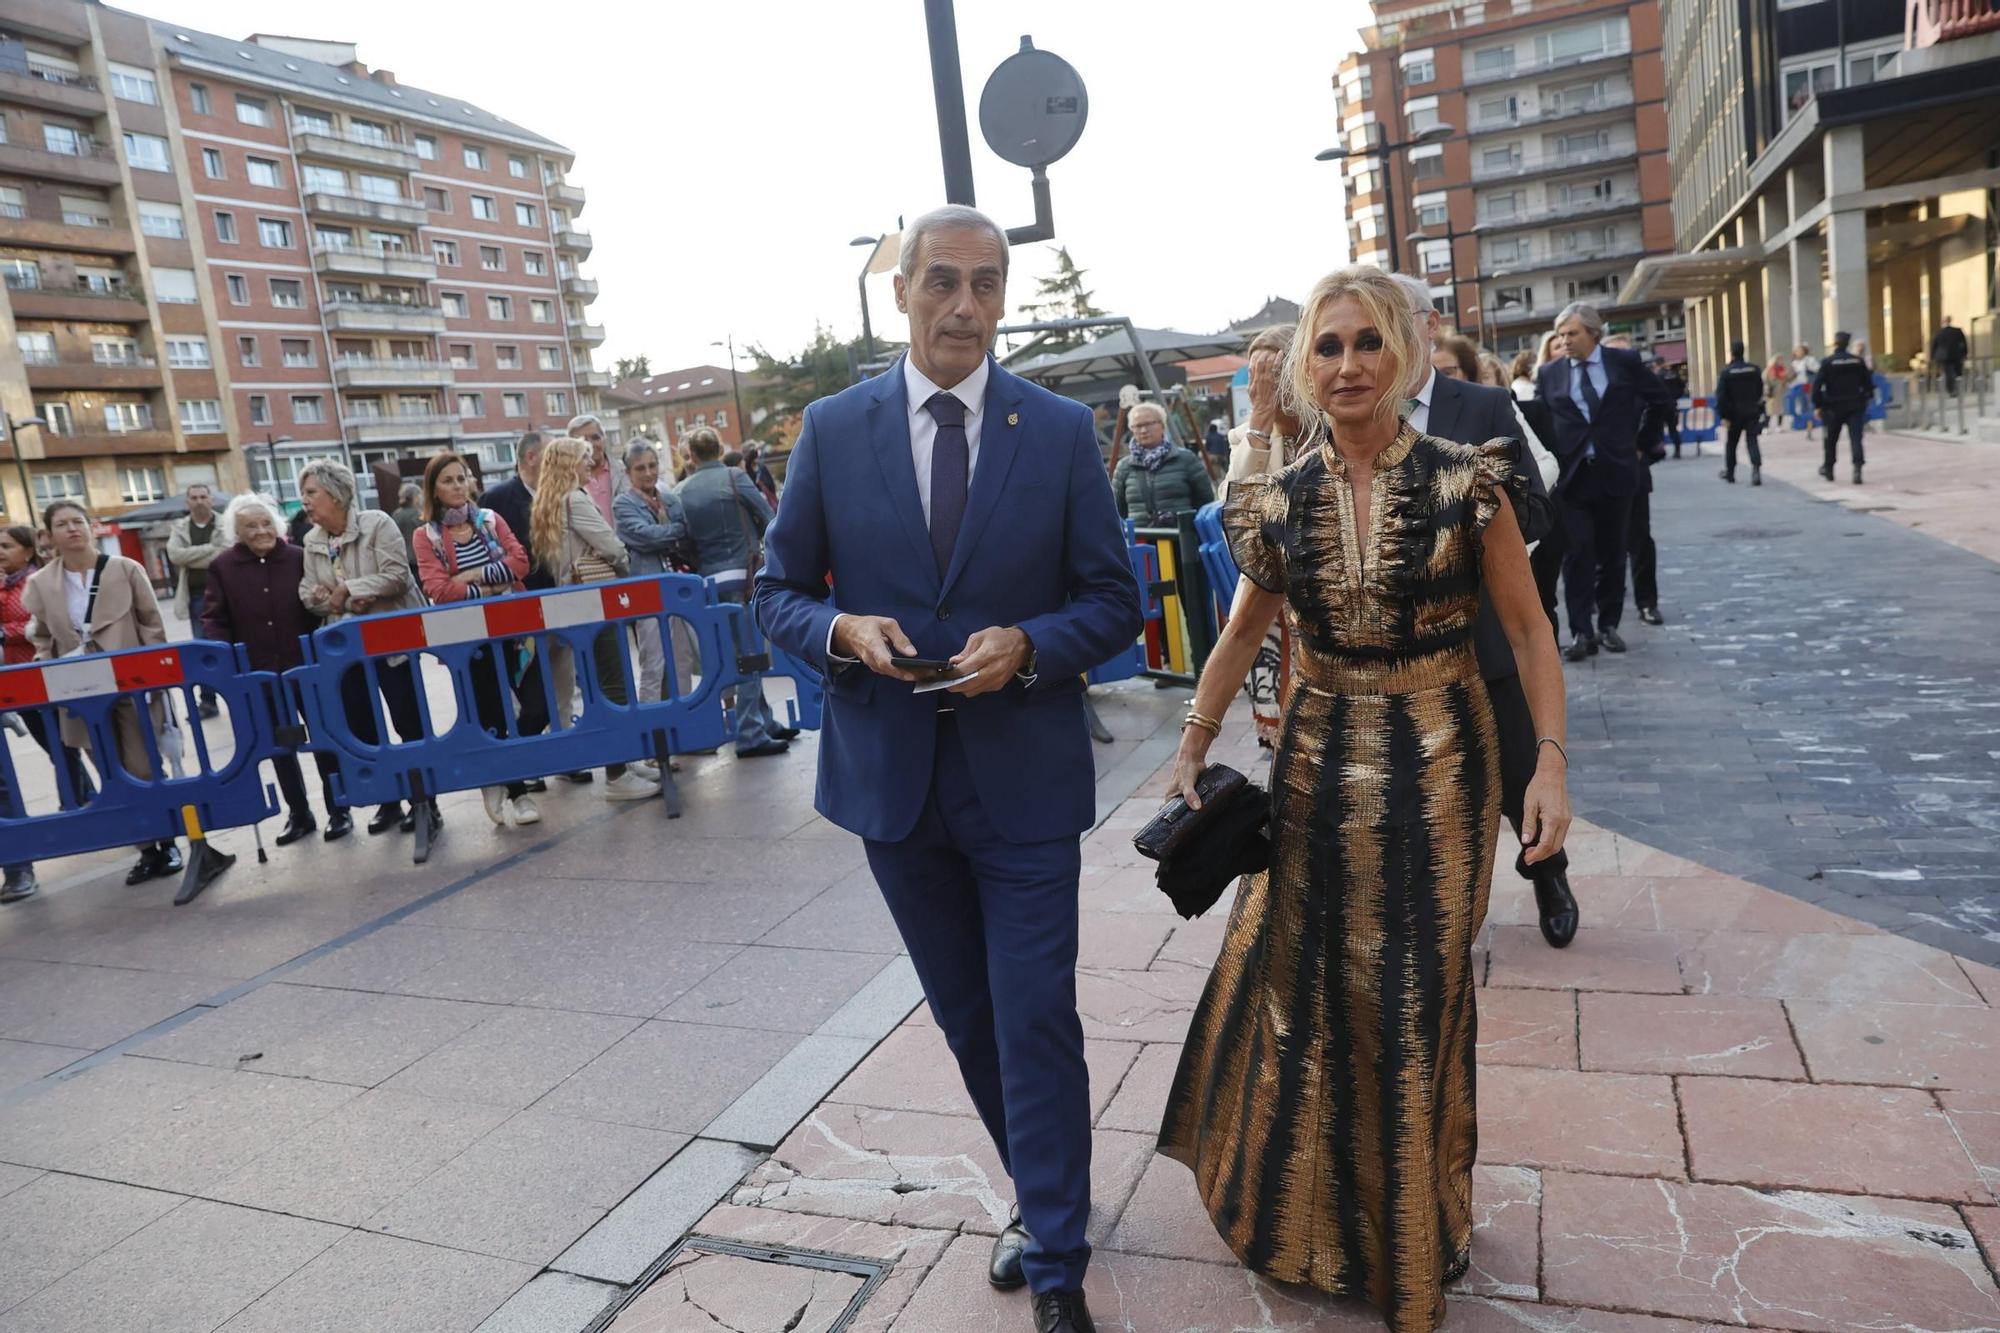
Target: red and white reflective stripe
(59, 682)
(477, 622)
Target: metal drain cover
(812, 1307)
(1753, 534)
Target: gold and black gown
(1325, 1096)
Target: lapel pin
(1013, 418)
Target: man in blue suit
(1601, 398)
(964, 515)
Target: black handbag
(1202, 852)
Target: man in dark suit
(514, 499)
(963, 514)
(1601, 398)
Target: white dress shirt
(970, 391)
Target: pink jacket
(437, 560)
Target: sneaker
(650, 765)
(526, 812)
(495, 799)
(631, 785)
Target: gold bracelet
(1202, 720)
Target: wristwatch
(1027, 675)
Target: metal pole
(868, 329)
(949, 93)
(21, 466)
(1388, 206)
(736, 394)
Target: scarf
(1151, 459)
(458, 514)
(17, 578)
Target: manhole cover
(1753, 534)
(770, 1285)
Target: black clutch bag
(1202, 852)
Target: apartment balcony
(575, 284)
(1541, 217)
(1563, 111)
(99, 443)
(383, 317)
(396, 210)
(1521, 69)
(1524, 314)
(19, 229)
(569, 196)
(573, 239)
(400, 428)
(590, 335)
(48, 371)
(22, 82)
(1562, 258)
(1526, 167)
(356, 151)
(91, 164)
(593, 379)
(373, 261)
(123, 305)
(397, 372)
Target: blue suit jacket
(1631, 394)
(1041, 548)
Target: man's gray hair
(1585, 314)
(951, 217)
(225, 530)
(1418, 291)
(579, 421)
(331, 476)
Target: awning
(1113, 355)
(1686, 277)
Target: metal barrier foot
(430, 823)
(1098, 731)
(204, 866)
(670, 792)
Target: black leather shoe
(536, 785)
(298, 826)
(1728, 476)
(1556, 906)
(1579, 648)
(1857, 476)
(170, 862)
(1609, 638)
(386, 818)
(20, 884)
(785, 733)
(1756, 476)
(408, 823)
(1005, 1270)
(146, 867)
(1062, 1311)
(338, 825)
(1650, 615)
(582, 775)
(1827, 472)
(764, 751)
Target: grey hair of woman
(331, 476)
(637, 450)
(248, 502)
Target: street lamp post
(1450, 238)
(271, 444)
(21, 463)
(1380, 152)
(735, 394)
(868, 330)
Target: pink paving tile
(1919, 1045)
(1126, 940)
(913, 1070)
(1142, 1099)
(1527, 1027)
(1484, 1315)
(1138, 1006)
(1696, 903)
(1165, 1218)
(1624, 1124)
(1506, 1234)
(1987, 979)
(1986, 1230)
(1109, 888)
(1601, 958)
(1636, 858)
(1976, 1117)
(1848, 969)
(1196, 943)
(1888, 1141)
(1688, 1034)
(1786, 1259)
(912, 1253)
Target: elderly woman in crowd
(85, 601)
(464, 552)
(253, 599)
(576, 545)
(1259, 447)
(1157, 477)
(653, 526)
(356, 564)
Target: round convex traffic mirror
(1033, 108)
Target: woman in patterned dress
(1325, 1097)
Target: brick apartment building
(667, 406)
(1536, 167)
(224, 257)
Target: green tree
(777, 392)
(1062, 295)
(632, 368)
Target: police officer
(1841, 393)
(1739, 400)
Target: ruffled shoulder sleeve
(1254, 522)
(1494, 471)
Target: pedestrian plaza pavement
(503, 1091)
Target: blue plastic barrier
(466, 755)
(217, 793)
(1216, 559)
(1697, 421)
(1146, 569)
(1884, 399)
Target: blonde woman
(576, 544)
(1325, 1094)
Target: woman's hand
(337, 599)
(1264, 391)
(1189, 762)
(1545, 809)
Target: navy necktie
(1591, 401)
(951, 469)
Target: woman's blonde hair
(1405, 358)
(565, 465)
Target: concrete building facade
(224, 258)
(1535, 166)
(665, 407)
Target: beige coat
(373, 561)
(586, 531)
(126, 615)
(184, 555)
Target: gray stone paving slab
(552, 1303)
(780, 990)
(361, 1158)
(514, 1056)
(57, 1223)
(24, 1061)
(674, 1076)
(186, 1273)
(530, 1188)
(385, 1285)
(72, 1004)
(879, 1007)
(14, 1177)
(733, 911)
(658, 1213)
(310, 1032)
(812, 863)
(1852, 656)
(770, 1108)
(849, 915)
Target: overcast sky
(730, 152)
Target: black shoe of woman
(386, 818)
(408, 823)
(338, 825)
(298, 826)
(146, 867)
